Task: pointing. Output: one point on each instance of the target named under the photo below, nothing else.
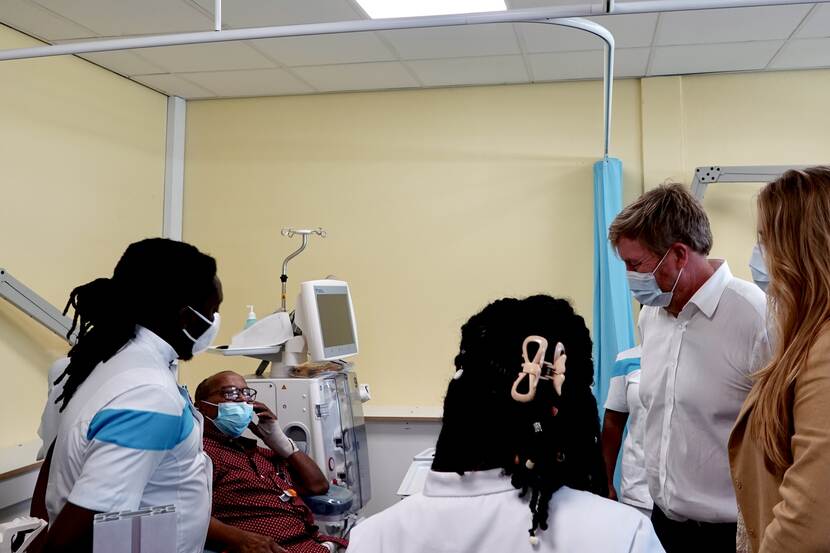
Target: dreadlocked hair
(549, 442)
(154, 279)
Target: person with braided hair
(128, 436)
(518, 465)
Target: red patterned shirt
(253, 490)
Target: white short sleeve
(616, 400)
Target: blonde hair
(662, 217)
(794, 227)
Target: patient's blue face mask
(645, 288)
(758, 267)
(233, 417)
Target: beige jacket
(789, 511)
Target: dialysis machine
(324, 416)
(313, 391)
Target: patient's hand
(249, 542)
(266, 419)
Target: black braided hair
(154, 279)
(485, 428)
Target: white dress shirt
(695, 376)
(130, 438)
(624, 397)
(481, 512)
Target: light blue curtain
(613, 319)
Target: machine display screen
(335, 316)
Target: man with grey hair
(703, 335)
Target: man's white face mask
(645, 288)
(205, 340)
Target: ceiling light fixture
(382, 9)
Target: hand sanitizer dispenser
(251, 317)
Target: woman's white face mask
(205, 340)
(758, 267)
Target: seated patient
(518, 466)
(256, 491)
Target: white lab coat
(481, 512)
(130, 438)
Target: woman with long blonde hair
(779, 449)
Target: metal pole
(362, 25)
(517, 16)
(648, 6)
(511, 16)
(284, 275)
(608, 67)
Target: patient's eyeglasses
(232, 393)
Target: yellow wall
(435, 202)
(82, 158)
(741, 119)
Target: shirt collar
(151, 340)
(708, 296)
(452, 484)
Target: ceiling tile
(561, 66)
(729, 25)
(454, 42)
(817, 24)
(807, 52)
(326, 49)
(125, 63)
(630, 31)
(708, 58)
(173, 85)
(267, 13)
(470, 71)
(357, 76)
(206, 57)
(261, 82)
(131, 17)
(39, 22)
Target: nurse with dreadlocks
(518, 465)
(128, 436)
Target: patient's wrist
(275, 438)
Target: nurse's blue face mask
(233, 417)
(645, 288)
(758, 267)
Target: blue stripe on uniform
(140, 429)
(625, 366)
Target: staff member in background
(623, 406)
(703, 336)
(128, 436)
(50, 418)
(780, 446)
